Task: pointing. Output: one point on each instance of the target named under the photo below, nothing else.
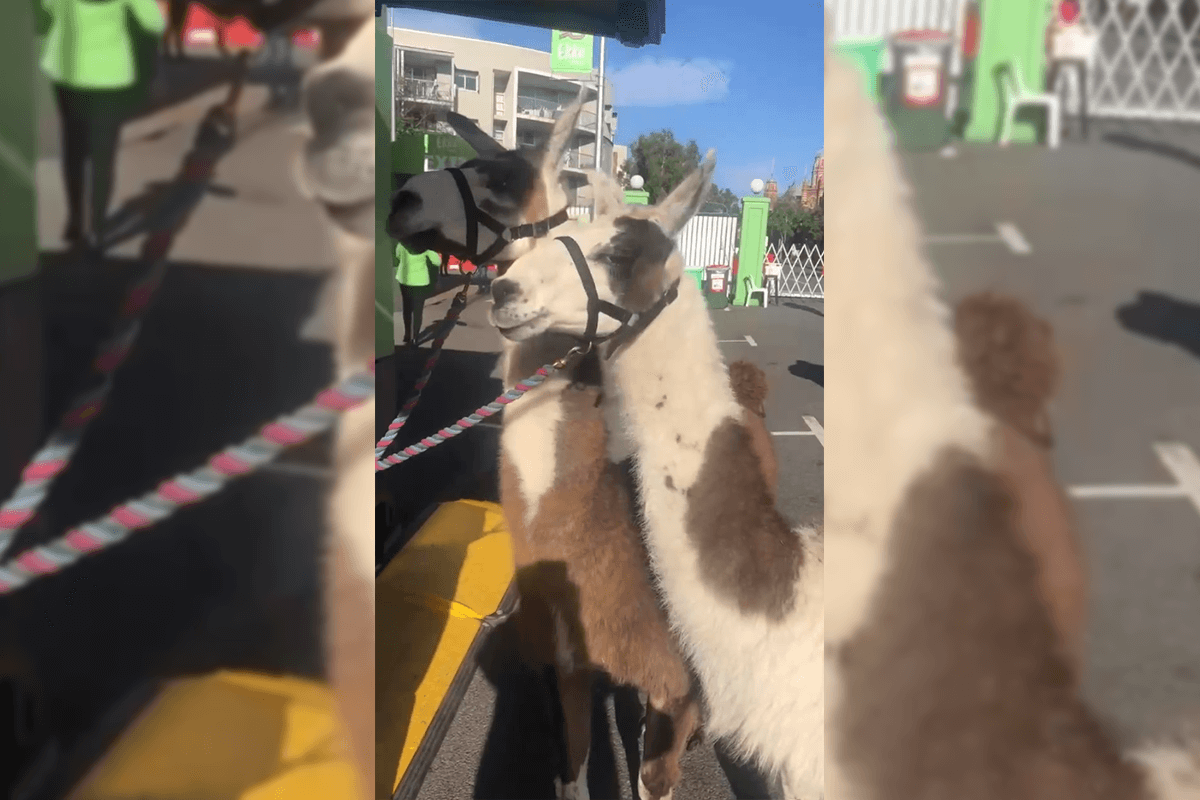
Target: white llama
(744, 592)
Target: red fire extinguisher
(972, 30)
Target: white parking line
(1178, 459)
(1006, 233)
(1013, 238)
(814, 429)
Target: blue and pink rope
(190, 487)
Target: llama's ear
(485, 146)
(607, 195)
(563, 131)
(679, 206)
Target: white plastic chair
(1019, 96)
(752, 291)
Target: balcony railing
(550, 110)
(426, 91)
(573, 159)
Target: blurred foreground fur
(945, 674)
(1008, 355)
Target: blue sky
(745, 78)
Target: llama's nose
(503, 290)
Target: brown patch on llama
(750, 388)
(748, 553)
(1008, 354)
(1009, 357)
(956, 686)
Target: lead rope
(481, 413)
(445, 327)
(189, 488)
(213, 140)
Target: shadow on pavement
(230, 582)
(1173, 152)
(809, 372)
(1165, 318)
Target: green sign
(571, 52)
(411, 150)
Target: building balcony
(573, 159)
(425, 91)
(548, 111)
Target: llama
(743, 590)
(945, 676)
(569, 513)
(1009, 358)
(336, 168)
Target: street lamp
(636, 182)
(756, 185)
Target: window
(467, 81)
(498, 131)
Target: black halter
(477, 216)
(632, 323)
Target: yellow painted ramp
(432, 603)
(230, 736)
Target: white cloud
(671, 82)
(433, 22)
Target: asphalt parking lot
(1099, 237)
(504, 741)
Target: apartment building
(506, 90)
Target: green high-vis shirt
(88, 44)
(413, 269)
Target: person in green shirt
(100, 55)
(417, 274)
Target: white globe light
(636, 181)
(756, 185)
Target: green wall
(18, 143)
(1014, 31)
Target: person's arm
(42, 18)
(435, 259)
(148, 15)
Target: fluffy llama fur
(1009, 357)
(339, 98)
(944, 675)
(743, 590)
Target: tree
(790, 223)
(662, 162)
(722, 201)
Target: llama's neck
(895, 395)
(530, 431)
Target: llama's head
(627, 255)
(471, 211)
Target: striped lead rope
(481, 413)
(191, 487)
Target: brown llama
(566, 504)
(1009, 358)
(945, 674)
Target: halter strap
(631, 323)
(476, 216)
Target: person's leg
(105, 132)
(74, 158)
(406, 312)
(418, 315)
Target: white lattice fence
(799, 270)
(707, 240)
(1147, 59)
(575, 212)
(878, 19)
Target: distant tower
(771, 191)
